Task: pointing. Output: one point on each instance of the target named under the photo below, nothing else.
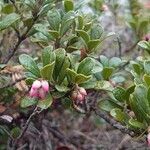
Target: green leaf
(92, 44)
(145, 45)
(68, 4)
(54, 33)
(29, 64)
(66, 102)
(48, 56)
(96, 32)
(140, 96)
(103, 85)
(104, 60)
(65, 26)
(136, 124)
(118, 114)
(54, 19)
(71, 49)
(148, 95)
(9, 20)
(44, 104)
(71, 74)
(107, 72)
(61, 88)
(119, 94)
(29, 81)
(146, 79)
(137, 68)
(87, 26)
(108, 105)
(63, 70)
(80, 22)
(47, 71)
(136, 108)
(15, 132)
(84, 35)
(147, 66)
(60, 58)
(80, 78)
(86, 66)
(27, 101)
(114, 62)
(8, 8)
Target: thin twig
(119, 47)
(25, 127)
(20, 40)
(114, 123)
(13, 83)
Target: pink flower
(45, 85)
(148, 139)
(78, 95)
(39, 89)
(146, 37)
(105, 7)
(82, 91)
(36, 84)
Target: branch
(20, 40)
(114, 123)
(25, 127)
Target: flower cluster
(39, 89)
(78, 95)
(147, 37)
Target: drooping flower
(78, 95)
(148, 139)
(39, 89)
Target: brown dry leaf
(2, 108)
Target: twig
(114, 123)
(119, 46)
(20, 40)
(25, 127)
(13, 83)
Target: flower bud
(33, 93)
(82, 91)
(74, 95)
(148, 139)
(41, 93)
(80, 97)
(105, 7)
(36, 84)
(45, 85)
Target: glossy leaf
(47, 71)
(27, 101)
(86, 66)
(84, 35)
(68, 4)
(8, 20)
(107, 72)
(29, 64)
(44, 104)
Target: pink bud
(105, 7)
(148, 139)
(82, 91)
(33, 93)
(74, 95)
(42, 93)
(45, 85)
(36, 84)
(80, 97)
